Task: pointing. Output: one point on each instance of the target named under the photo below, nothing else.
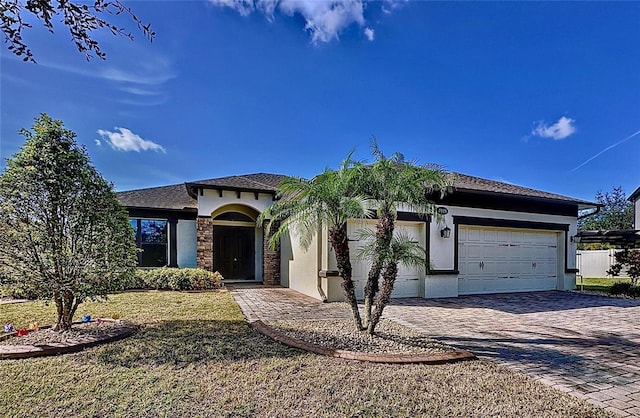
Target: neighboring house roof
(165, 197)
(477, 184)
(635, 195)
(183, 196)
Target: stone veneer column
(204, 236)
(270, 258)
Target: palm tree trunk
(340, 244)
(371, 287)
(389, 274)
(384, 235)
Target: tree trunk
(340, 243)
(66, 306)
(384, 235)
(389, 274)
(372, 286)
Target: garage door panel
(474, 251)
(504, 237)
(406, 288)
(507, 260)
(474, 235)
(503, 268)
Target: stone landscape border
(435, 358)
(8, 352)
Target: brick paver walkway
(274, 303)
(586, 345)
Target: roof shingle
(477, 184)
(176, 196)
(164, 197)
(258, 181)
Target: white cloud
(324, 19)
(388, 6)
(561, 129)
(369, 33)
(98, 143)
(125, 140)
(244, 7)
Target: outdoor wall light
(575, 238)
(445, 232)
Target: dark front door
(234, 252)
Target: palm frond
(403, 249)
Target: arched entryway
(237, 243)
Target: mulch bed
(45, 341)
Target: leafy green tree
(81, 18)
(64, 234)
(328, 200)
(392, 182)
(616, 213)
(630, 260)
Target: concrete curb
(436, 358)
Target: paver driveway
(583, 344)
(586, 345)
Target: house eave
(192, 189)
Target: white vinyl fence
(595, 263)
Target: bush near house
(175, 279)
(158, 279)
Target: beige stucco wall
(301, 266)
(636, 219)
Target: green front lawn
(602, 284)
(195, 356)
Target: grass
(195, 356)
(600, 284)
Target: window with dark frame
(151, 238)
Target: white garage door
(494, 260)
(407, 283)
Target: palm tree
(326, 200)
(402, 251)
(392, 182)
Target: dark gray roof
(176, 196)
(164, 197)
(477, 184)
(635, 195)
(254, 182)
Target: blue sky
(518, 92)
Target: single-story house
(492, 237)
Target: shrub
(619, 288)
(628, 289)
(176, 279)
